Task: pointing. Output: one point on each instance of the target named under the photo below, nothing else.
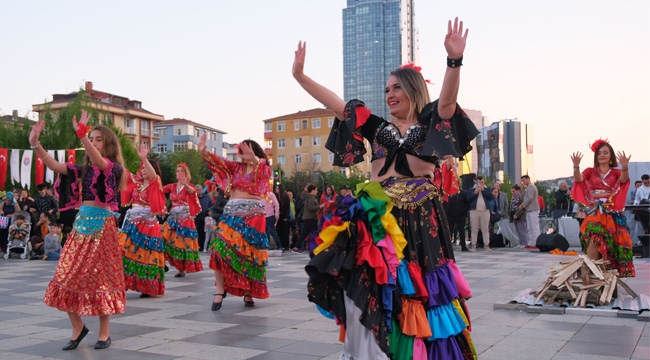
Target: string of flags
(20, 165)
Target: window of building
(282, 160)
(268, 126)
(317, 158)
(282, 143)
(315, 140)
(315, 123)
(305, 124)
(282, 126)
(180, 146)
(161, 148)
(298, 159)
(145, 143)
(330, 157)
(330, 121)
(160, 132)
(214, 135)
(144, 127)
(180, 130)
(108, 118)
(118, 101)
(343, 171)
(214, 150)
(196, 132)
(129, 126)
(298, 142)
(296, 125)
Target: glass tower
(378, 37)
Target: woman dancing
(384, 265)
(179, 230)
(602, 189)
(89, 280)
(140, 237)
(240, 249)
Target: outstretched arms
(455, 42)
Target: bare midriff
(418, 167)
(238, 194)
(96, 204)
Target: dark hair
(525, 177)
(257, 149)
(516, 187)
(479, 178)
(41, 187)
(612, 155)
(638, 181)
(20, 216)
(645, 177)
(311, 187)
(156, 166)
(282, 196)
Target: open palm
(455, 40)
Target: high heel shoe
(217, 305)
(249, 303)
(72, 344)
(99, 345)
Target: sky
(576, 70)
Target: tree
(192, 158)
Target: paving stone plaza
(181, 326)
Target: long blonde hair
(414, 86)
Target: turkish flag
(3, 168)
(72, 157)
(40, 170)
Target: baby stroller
(17, 245)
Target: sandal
(180, 274)
(217, 305)
(248, 303)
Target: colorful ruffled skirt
(89, 280)
(144, 256)
(182, 240)
(608, 230)
(240, 249)
(384, 269)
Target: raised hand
(299, 59)
(84, 120)
(576, 157)
(144, 151)
(201, 144)
(455, 40)
(246, 152)
(622, 159)
(36, 132)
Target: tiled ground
(180, 325)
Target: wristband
(454, 63)
(34, 146)
(82, 130)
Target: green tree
(192, 158)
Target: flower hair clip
(416, 68)
(598, 143)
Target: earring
(610, 162)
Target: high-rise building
(378, 37)
(505, 148)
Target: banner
(40, 171)
(15, 166)
(71, 156)
(3, 168)
(60, 156)
(26, 169)
(49, 174)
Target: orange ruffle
(140, 255)
(413, 319)
(241, 246)
(173, 239)
(621, 238)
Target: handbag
(4, 222)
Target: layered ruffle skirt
(182, 240)
(384, 269)
(89, 279)
(144, 256)
(608, 230)
(240, 249)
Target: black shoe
(249, 303)
(166, 268)
(99, 345)
(464, 249)
(72, 344)
(180, 274)
(217, 305)
(142, 296)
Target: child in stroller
(18, 236)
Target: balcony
(130, 131)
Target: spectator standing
(518, 216)
(502, 202)
(272, 211)
(563, 197)
(282, 226)
(345, 191)
(531, 204)
(456, 210)
(309, 217)
(479, 213)
(632, 223)
(199, 220)
(220, 202)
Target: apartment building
(182, 134)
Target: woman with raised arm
(385, 266)
(239, 253)
(602, 189)
(89, 280)
(179, 230)
(140, 236)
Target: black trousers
(199, 221)
(309, 225)
(458, 222)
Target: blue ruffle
(404, 279)
(252, 236)
(325, 313)
(387, 292)
(444, 321)
(182, 231)
(140, 240)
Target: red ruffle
(236, 283)
(418, 283)
(151, 287)
(187, 266)
(368, 252)
(85, 304)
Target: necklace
(394, 130)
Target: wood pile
(581, 281)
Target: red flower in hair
(598, 143)
(416, 68)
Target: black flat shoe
(217, 305)
(180, 274)
(72, 344)
(99, 345)
(166, 268)
(249, 303)
(142, 296)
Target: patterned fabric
(182, 240)
(88, 280)
(389, 252)
(183, 198)
(240, 249)
(605, 224)
(150, 194)
(144, 256)
(230, 175)
(97, 185)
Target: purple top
(97, 185)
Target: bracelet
(34, 146)
(454, 63)
(624, 169)
(82, 130)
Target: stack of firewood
(581, 281)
